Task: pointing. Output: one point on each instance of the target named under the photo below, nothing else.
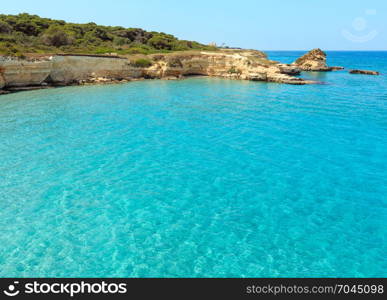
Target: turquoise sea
(202, 177)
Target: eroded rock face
(72, 69)
(2, 81)
(314, 60)
(364, 72)
(289, 69)
(65, 70)
(244, 65)
(17, 72)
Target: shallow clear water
(201, 177)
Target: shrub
(103, 50)
(119, 41)
(8, 49)
(20, 55)
(55, 36)
(100, 33)
(5, 27)
(142, 63)
(32, 34)
(234, 70)
(136, 48)
(162, 41)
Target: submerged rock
(364, 72)
(314, 60)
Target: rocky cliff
(77, 69)
(314, 60)
(18, 73)
(244, 65)
(66, 70)
(2, 81)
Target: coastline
(50, 71)
(96, 83)
(62, 70)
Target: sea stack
(314, 60)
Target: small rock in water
(364, 72)
(336, 68)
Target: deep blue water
(198, 178)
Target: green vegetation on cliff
(24, 33)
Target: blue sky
(266, 25)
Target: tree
(162, 41)
(5, 27)
(55, 36)
(32, 34)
